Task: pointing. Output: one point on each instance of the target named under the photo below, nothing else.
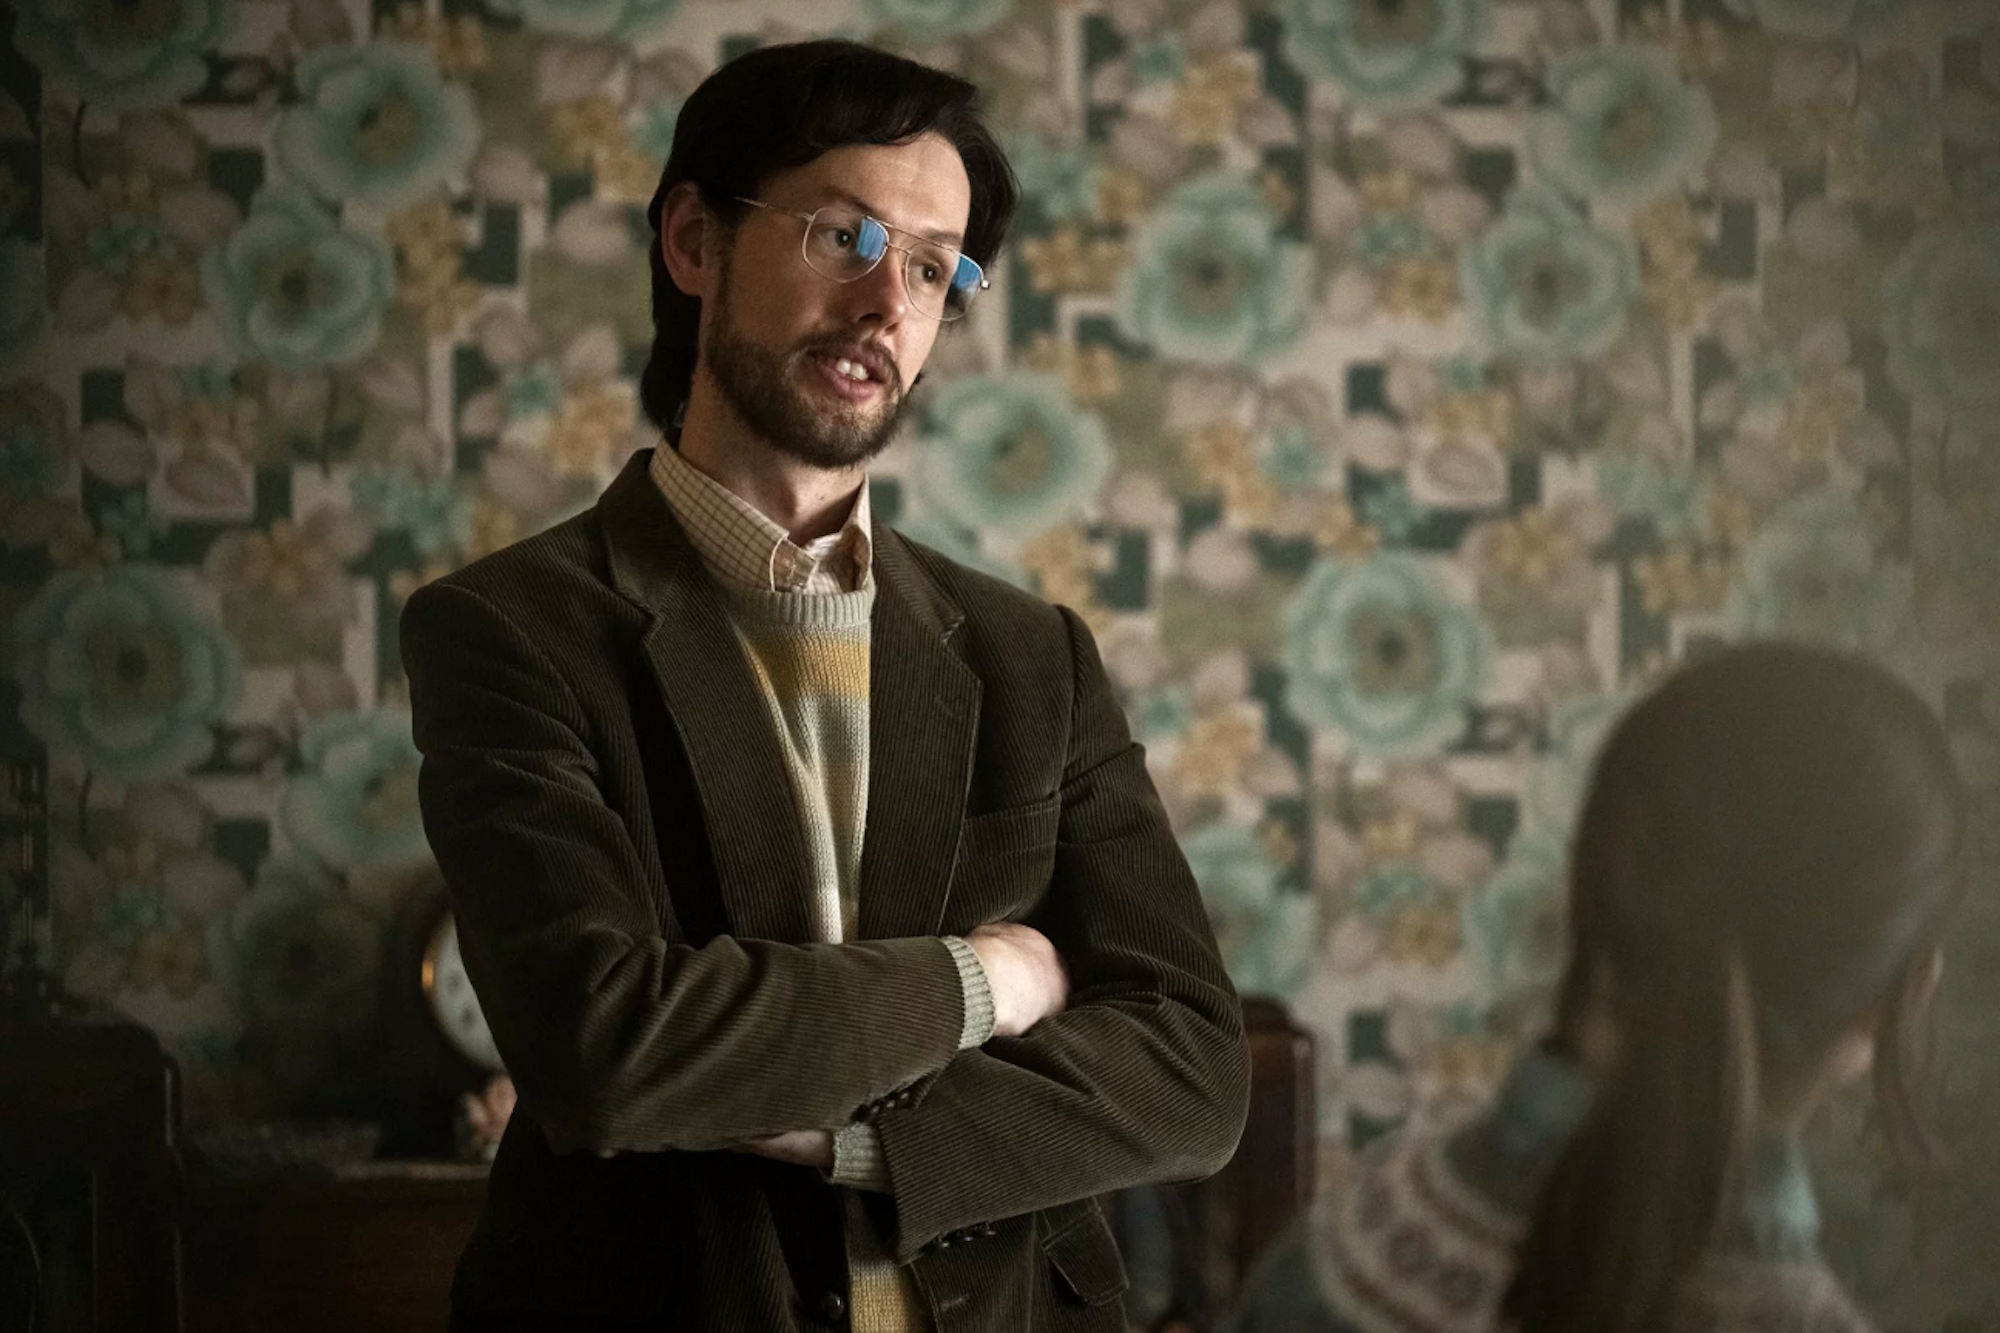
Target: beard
(761, 386)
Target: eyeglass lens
(843, 244)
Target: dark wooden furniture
(370, 1247)
(89, 1176)
(1189, 1247)
(373, 1247)
(1270, 1180)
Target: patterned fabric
(745, 547)
(1421, 1236)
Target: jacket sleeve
(1144, 1077)
(617, 1033)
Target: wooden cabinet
(89, 1117)
(371, 1247)
(87, 1150)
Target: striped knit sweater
(1422, 1234)
(810, 657)
(802, 616)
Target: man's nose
(883, 293)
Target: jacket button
(832, 1307)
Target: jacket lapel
(725, 727)
(923, 724)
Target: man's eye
(842, 237)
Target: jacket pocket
(1083, 1254)
(1005, 861)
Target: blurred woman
(1758, 887)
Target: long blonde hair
(1770, 845)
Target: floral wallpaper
(1396, 386)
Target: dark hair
(1765, 859)
(782, 106)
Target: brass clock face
(448, 991)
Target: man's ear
(690, 240)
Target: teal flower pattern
(1386, 55)
(1013, 453)
(1552, 799)
(1544, 283)
(1160, 714)
(1622, 125)
(434, 511)
(1391, 510)
(378, 125)
(355, 807)
(1268, 934)
(928, 525)
(1814, 573)
(1293, 455)
(931, 19)
(1161, 56)
(135, 523)
(1380, 652)
(1673, 497)
(1210, 279)
(125, 56)
(1515, 924)
(616, 20)
(290, 287)
(124, 671)
(1060, 177)
(297, 954)
(652, 130)
(1941, 317)
(1392, 887)
(1815, 18)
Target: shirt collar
(744, 546)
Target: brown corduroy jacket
(604, 792)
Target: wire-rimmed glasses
(843, 243)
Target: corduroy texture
(598, 772)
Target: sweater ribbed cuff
(978, 994)
(858, 1162)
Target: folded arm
(617, 1033)
(1144, 1077)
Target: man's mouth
(856, 364)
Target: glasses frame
(805, 239)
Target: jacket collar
(923, 726)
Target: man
(815, 892)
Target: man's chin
(850, 432)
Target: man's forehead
(920, 186)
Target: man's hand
(800, 1147)
(1024, 972)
